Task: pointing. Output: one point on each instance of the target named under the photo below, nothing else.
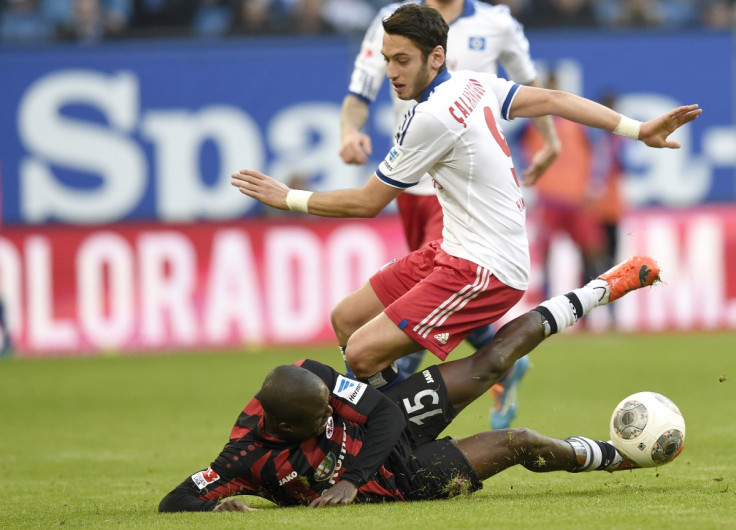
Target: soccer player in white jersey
(480, 37)
(433, 297)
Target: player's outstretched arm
(355, 145)
(655, 132)
(543, 158)
(531, 102)
(261, 187)
(367, 201)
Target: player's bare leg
(471, 377)
(355, 310)
(493, 451)
(468, 378)
(376, 345)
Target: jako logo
(287, 478)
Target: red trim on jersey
(345, 411)
(234, 487)
(257, 467)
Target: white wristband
(628, 127)
(296, 200)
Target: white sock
(587, 453)
(590, 454)
(561, 312)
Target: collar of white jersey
(468, 9)
(442, 76)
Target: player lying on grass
(313, 437)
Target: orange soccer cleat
(632, 274)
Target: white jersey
(453, 135)
(480, 38)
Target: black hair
(423, 25)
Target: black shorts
(435, 469)
(424, 401)
(442, 471)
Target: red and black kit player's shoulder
(349, 398)
(324, 372)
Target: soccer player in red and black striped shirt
(313, 437)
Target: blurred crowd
(23, 21)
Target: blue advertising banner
(152, 130)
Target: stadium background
(120, 230)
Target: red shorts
(421, 217)
(438, 299)
(580, 224)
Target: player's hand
(541, 160)
(261, 187)
(355, 148)
(341, 494)
(654, 132)
(233, 505)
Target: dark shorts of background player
(436, 469)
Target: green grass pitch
(98, 441)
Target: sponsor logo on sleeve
(204, 478)
(330, 427)
(393, 157)
(348, 389)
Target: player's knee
(359, 363)
(522, 438)
(490, 364)
(361, 356)
(343, 323)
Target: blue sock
(348, 372)
(399, 378)
(481, 336)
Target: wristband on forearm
(628, 127)
(296, 200)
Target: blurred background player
(480, 37)
(606, 174)
(563, 199)
(581, 196)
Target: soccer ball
(648, 429)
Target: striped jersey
(295, 473)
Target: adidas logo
(442, 337)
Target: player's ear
(437, 57)
(285, 427)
